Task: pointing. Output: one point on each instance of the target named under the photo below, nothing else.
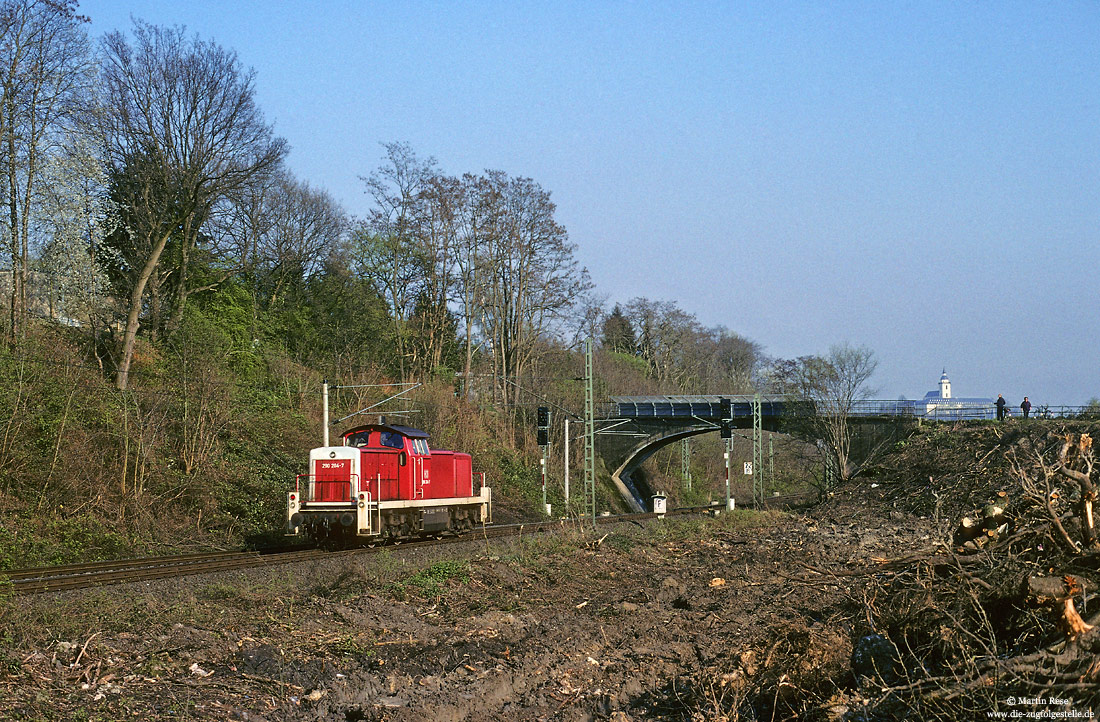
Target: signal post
(726, 414)
(544, 444)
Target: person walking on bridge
(1001, 407)
(1025, 407)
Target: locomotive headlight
(332, 454)
(361, 505)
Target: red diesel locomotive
(385, 482)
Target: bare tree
(182, 133)
(830, 387)
(440, 222)
(386, 248)
(46, 84)
(533, 282)
(664, 337)
(475, 221)
(242, 223)
(279, 228)
(728, 362)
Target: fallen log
(1058, 593)
(1079, 452)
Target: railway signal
(543, 420)
(726, 413)
(543, 426)
(725, 416)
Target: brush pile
(1002, 613)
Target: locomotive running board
(368, 513)
(414, 503)
(484, 499)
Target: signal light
(727, 430)
(544, 437)
(725, 409)
(543, 417)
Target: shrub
(429, 582)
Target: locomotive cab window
(392, 439)
(420, 446)
(359, 439)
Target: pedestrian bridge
(701, 408)
(772, 407)
(664, 420)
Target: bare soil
(859, 608)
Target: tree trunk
(13, 227)
(469, 359)
(132, 320)
(175, 316)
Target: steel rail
(96, 574)
(104, 573)
(119, 564)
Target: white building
(940, 404)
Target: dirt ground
(858, 608)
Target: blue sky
(920, 178)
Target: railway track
(124, 571)
(96, 574)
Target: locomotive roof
(403, 430)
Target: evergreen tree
(618, 333)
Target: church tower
(945, 386)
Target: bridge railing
(958, 411)
(709, 408)
(966, 410)
(1062, 412)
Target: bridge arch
(623, 476)
(664, 420)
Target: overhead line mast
(757, 454)
(589, 437)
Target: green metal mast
(771, 460)
(757, 454)
(685, 462)
(589, 437)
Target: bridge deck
(682, 408)
(691, 407)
